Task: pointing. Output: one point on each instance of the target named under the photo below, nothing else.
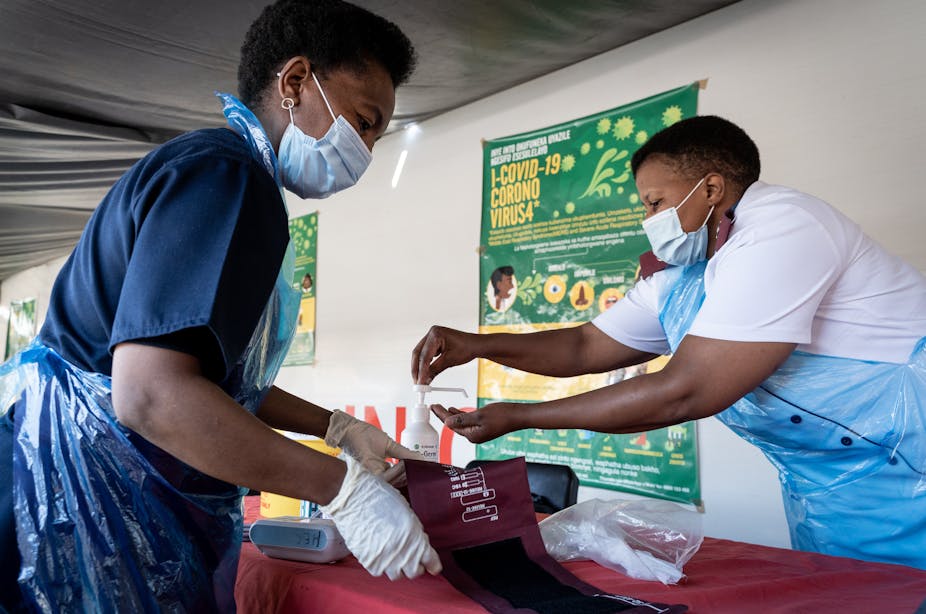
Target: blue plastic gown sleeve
(848, 438)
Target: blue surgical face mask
(317, 168)
(670, 242)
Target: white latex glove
(379, 527)
(369, 445)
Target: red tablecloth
(723, 576)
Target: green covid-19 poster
(21, 326)
(561, 237)
(303, 232)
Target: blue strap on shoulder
(243, 121)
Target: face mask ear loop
(685, 200)
(325, 98)
(708, 217)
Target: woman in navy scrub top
(131, 425)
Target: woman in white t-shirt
(784, 319)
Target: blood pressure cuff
(481, 522)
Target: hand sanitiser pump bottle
(419, 436)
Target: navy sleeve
(210, 236)
(199, 342)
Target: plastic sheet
(267, 349)
(106, 521)
(848, 438)
(100, 529)
(644, 539)
(246, 124)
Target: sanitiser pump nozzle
(423, 389)
(419, 435)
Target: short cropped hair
(705, 144)
(331, 33)
(497, 275)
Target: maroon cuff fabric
(481, 522)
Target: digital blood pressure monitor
(312, 540)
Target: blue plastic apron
(105, 521)
(848, 438)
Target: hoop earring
(288, 104)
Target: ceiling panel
(87, 87)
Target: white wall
(33, 283)
(831, 91)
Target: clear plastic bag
(644, 539)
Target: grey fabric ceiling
(89, 86)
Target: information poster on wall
(303, 232)
(561, 236)
(21, 326)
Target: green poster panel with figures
(560, 241)
(303, 232)
(21, 326)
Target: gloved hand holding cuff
(369, 445)
(379, 527)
